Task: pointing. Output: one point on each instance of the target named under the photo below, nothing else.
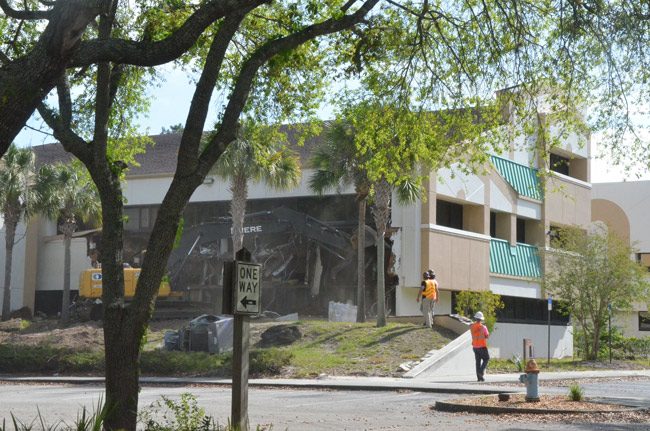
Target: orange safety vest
(430, 291)
(479, 335)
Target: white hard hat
(479, 316)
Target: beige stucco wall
(568, 202)
(628, 322)
(461, 259)
(613, 216)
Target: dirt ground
(89, 336)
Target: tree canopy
(590, 271)
(273, 61)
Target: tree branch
(197, 114)
(71, 142)
(24, 14)
(228, 129)
(145, 53)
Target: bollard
(531, 380)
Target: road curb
(454, 407)
(315, 384)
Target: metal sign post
(548, 352)
(243, 300)
(609, 315)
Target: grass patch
(337, 348)
(576, 393)
(333, 348)
(48, 359)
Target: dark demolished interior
(307, 247)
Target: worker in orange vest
(480, 334)
(429, 295)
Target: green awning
(522, 178)
(521, 260)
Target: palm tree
(338, 163)
(253, 157)
(16, 197)
(68, 195)
(407, 191)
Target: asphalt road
(288, 409)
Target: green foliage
(516, 360)
(48, 359)
(591, 271)
(468, 303)
(623, 348)
(269, 362)
(67, 192)
(181, 415)
(260, 154)
(158, 362)
(576, 392)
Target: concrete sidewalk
(495, 383)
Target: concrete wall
(405, 297)
(507, 339)
(17, 267)
(457, 185)
(515, 287)
(461, 259)
(568, 201)
(633, 197)
(50, 263)
(150, 190)
(628, 322)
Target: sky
(172, 102)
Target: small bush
(269, 361)
(516, 360)
(159, 362)
(576, 393)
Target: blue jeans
(482, 357)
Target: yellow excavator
(89, 304)
(90, 284)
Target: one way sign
(248, 288)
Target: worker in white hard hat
(480, 334)
(428, 296)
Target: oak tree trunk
(239, 189)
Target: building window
(139, 219)
(559, 164)
(493, 224)
(644, 321)
(521, 230)
(449, 214)
(643, 259)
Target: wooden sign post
(242, 297)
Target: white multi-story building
(478, 232)
(624, 208)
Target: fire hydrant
(531, 380)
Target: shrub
(269, 361)
(576, 393)
(468, 303)
(160, 362)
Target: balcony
(521, 261)
(459, 257)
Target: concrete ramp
(455, 361)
